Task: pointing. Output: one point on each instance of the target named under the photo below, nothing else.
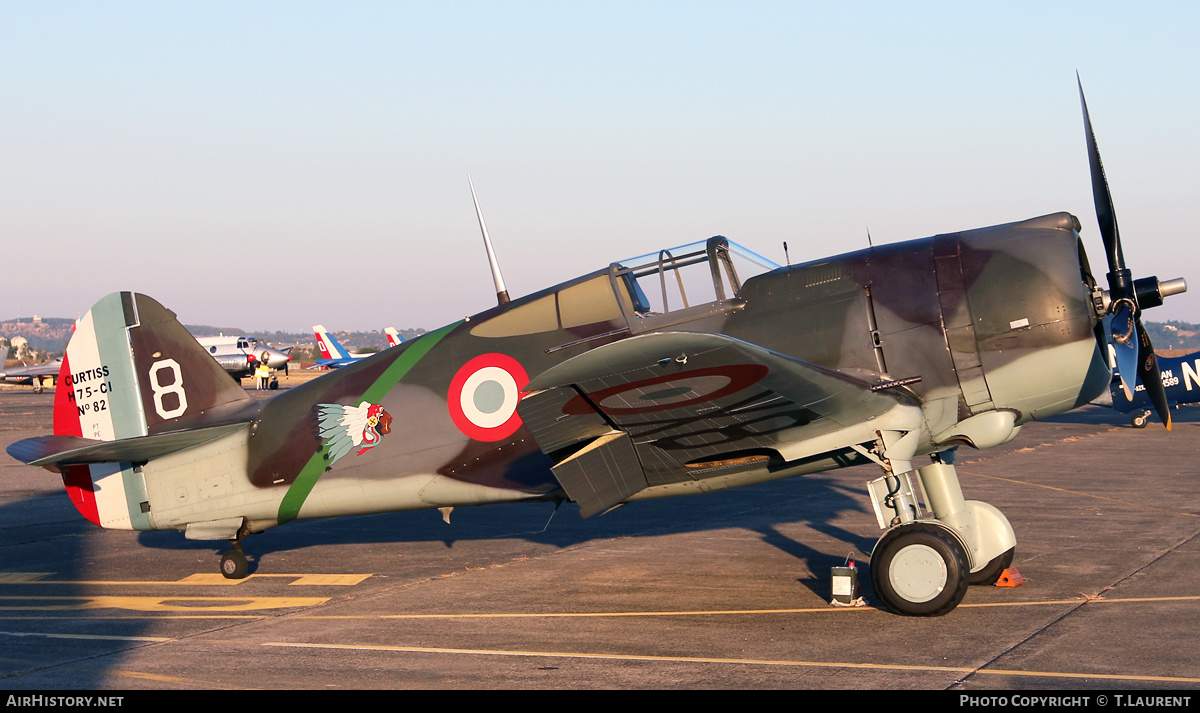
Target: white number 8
(174, 387)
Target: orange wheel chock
(1010, 578)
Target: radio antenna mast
(501, 292)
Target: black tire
(234, 565)
(992, 570)
(919, 570)
(1140, 420)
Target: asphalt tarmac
(729, 590)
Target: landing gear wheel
(992, 570)
(234, 565)
(1140, 420)
(919, 570)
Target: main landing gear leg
(234, 564)
(919, 567)
(923, 564)
(987, 534)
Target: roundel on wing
(669, 391)
(483, 397)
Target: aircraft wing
(50, 368)
(668, 408)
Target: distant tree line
(1174, 335)
(49, 336)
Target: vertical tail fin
(131, 369)
(330, 349)
(393, 337)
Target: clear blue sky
(277, 164)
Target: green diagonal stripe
(289, 508)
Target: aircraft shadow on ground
(1095, 414)
(809, 501)
(814, 501)
(43, 534)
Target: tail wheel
(992, 570)
(1140, 420)
(920, 570)
(234, 565)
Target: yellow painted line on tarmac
(171, 679)
(583, 615)
(93, 637)
(23, 577)
(204, 579)
(113, 672)
(739, 612)
(156, 604)
(1088, 600)
(715, 660)
(336, 580)
(211, 607)
(1101, 676)
(1142, 506)
(133, 618)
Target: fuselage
(238, 354)
(997, 323)
(1180, 380)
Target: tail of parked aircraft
(393, 337)
(133, 385)
(330, 348)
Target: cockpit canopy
(687, 281)
(689, 275)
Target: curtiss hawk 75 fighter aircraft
(686, 370)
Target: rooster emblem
(344, 428)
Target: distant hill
(1183, 336)
(50, 334)
(47, 334)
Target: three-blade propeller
(1127, 297)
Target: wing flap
(602, 474)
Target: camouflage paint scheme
(619, 386)
(587, 392)
(942, 308)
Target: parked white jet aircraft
(238, 354)
(34, 374)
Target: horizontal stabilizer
(69, 450)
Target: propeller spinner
(1127, 297)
